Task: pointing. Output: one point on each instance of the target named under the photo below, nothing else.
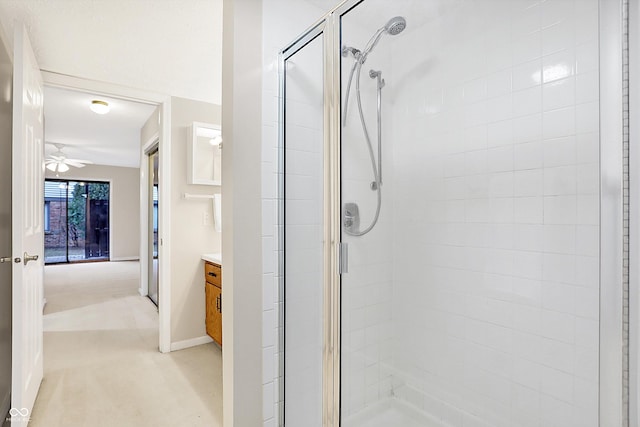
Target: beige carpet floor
(102, 367)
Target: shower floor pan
(391, 412)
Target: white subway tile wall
(495, 280)
(304, 242)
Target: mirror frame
(192, 172)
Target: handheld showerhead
(395, 25)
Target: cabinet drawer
(213, 274)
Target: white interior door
(27, 209)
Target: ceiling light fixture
(99, 107)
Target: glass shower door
(470, 194)
(302, 208)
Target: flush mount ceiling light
(99, 107)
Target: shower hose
(356, 69)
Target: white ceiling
(167, 46)
(172, 47)
(109, 139)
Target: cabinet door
(213, 298)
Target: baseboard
(125, 258)
(181, 345)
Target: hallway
(102, 366)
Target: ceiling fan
(58, 161)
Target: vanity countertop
(214, 258)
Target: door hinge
(343, 257)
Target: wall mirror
(205, 154)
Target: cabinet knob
(211, 273)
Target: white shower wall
(496, 214)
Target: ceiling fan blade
(74, 163)
(57, 158)
(88, 162)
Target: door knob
(28, 258)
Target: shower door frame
(611, 390)
(611, 387)
(324, 28)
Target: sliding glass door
(76, 220)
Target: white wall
(242, 253)
(190, 236)
(124, 206)
(150, 128)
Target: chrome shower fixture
(377, 75)
(346, 50)
(396, 25)
(393, 27)
(351, 214)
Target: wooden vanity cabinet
(213, 297)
